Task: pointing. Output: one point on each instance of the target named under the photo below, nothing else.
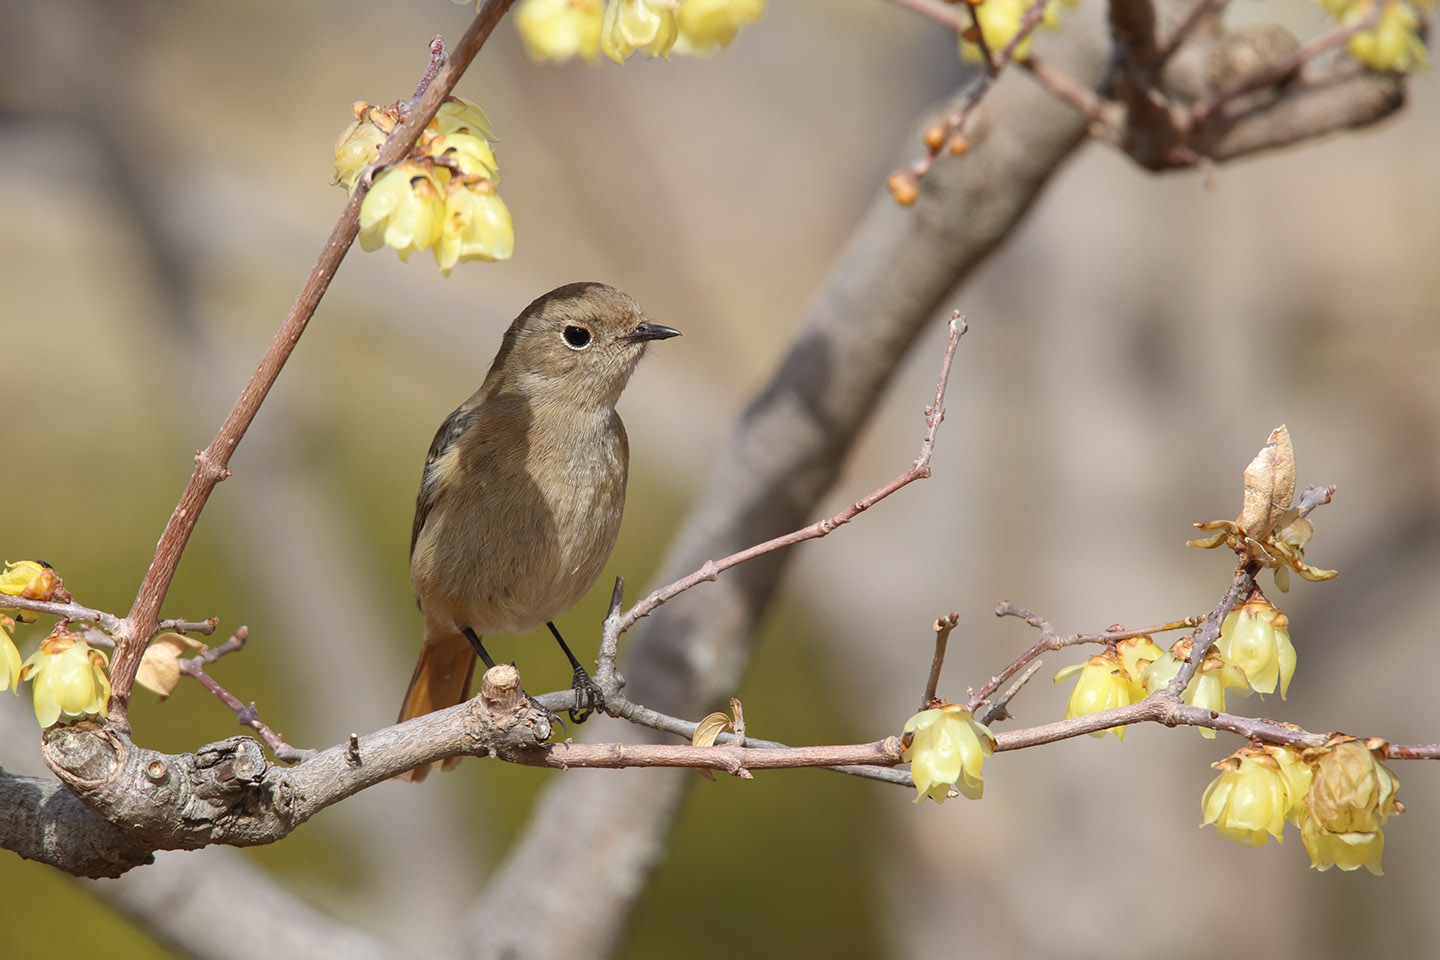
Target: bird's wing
(450, 432)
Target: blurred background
(164, 172)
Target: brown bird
(523, 488)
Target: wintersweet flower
(1394, 44)
(1103, 684)
(709, 25)
(1249, 800)
(1207, 688)
(359, 144)
(69, 677)
(645, 25)
(1135, 655)
(1255, 639)
(403, 210)
(557, 30)
(948, 747)
(1000, 21)
(458, 115)
(1352, 796)
(1297, 778)
(477, 224)
(32, 580)
(1348, 851)
(468, 153)
(9, 657)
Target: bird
(523, 489)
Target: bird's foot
(588, 696)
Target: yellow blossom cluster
(442, 197)
(1252, 654)
(558, 30)
(1394, 45)
(999, 21)
(946, 746)
(1339, 796)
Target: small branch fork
(1142, 110)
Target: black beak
(652, 331)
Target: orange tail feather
(441, 679)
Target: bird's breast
(525, 526)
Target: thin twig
(712, 569)
(211, 464)
(942, 628)
(245, 714)
(999, 709)
(1105, 116)
(65, 611)
(618, 706)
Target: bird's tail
(441, 679)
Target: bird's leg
(474, 639)
(588, 695)
(480, 651)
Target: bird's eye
(577, 337)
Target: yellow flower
(402, 210)
(1000, 21)
(1207, 688)
(1352, 792)
(468, 152)
(9, 656)
(1348, 851)
(359, 144)
(458, 115)
(477, 225)
(69, 678)
(1135, 655)
(1255, 639)
(1103, 684)
(948, 747)
(32, 580)
(1352, 795)
(645, 25)
(708, 25)
(556, 30)
(1297, 778)
(1249, 800)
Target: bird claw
(589, 698)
